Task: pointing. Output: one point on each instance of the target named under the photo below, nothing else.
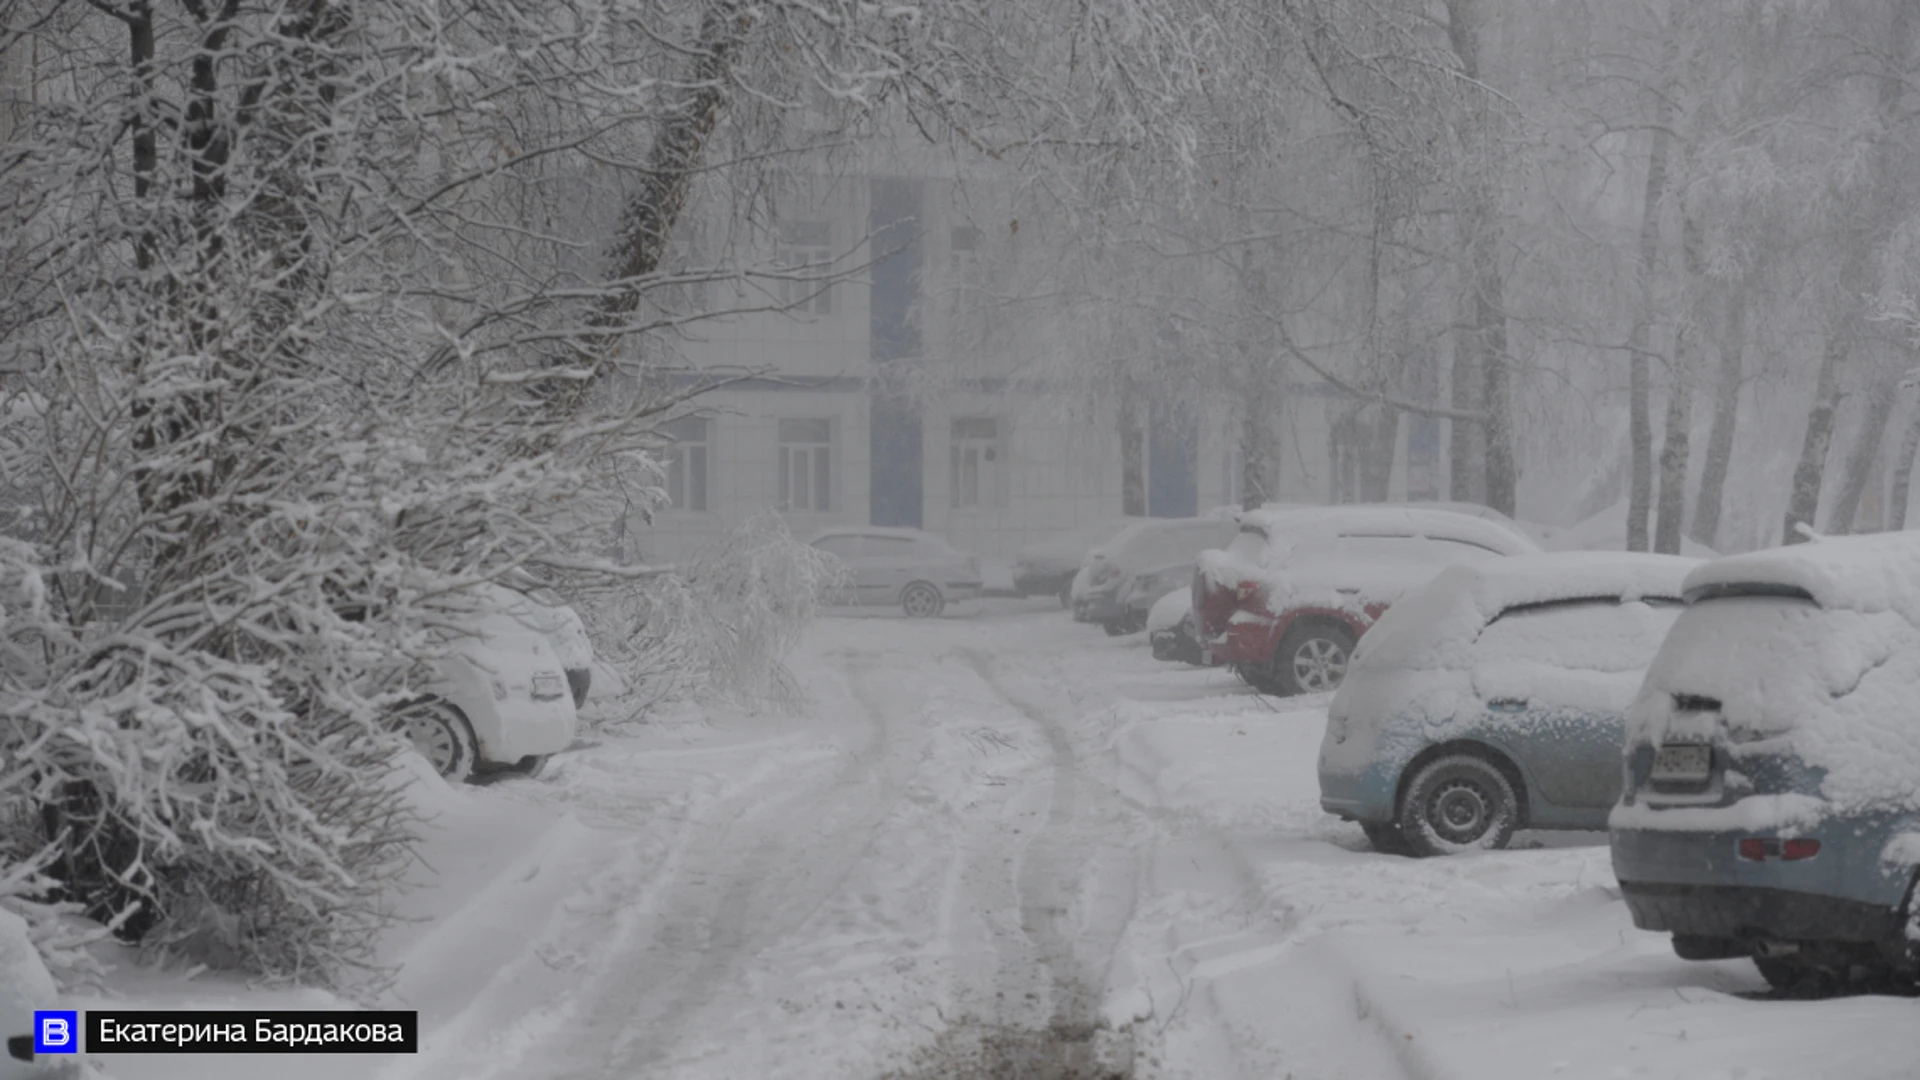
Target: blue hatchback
(1772, 799)
(1493, 698)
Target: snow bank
(491, 875)
(1829, 680)
(25, 985)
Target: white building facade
(828, 432)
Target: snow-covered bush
(721, 624)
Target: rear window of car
(1591, 633)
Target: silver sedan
(918, 571)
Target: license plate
(1682, 764)
(549, 686)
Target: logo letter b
(54, 1031)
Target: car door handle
(1508, 704)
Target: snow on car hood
(1829, 676)
(1169, 610)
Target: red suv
(1286, 602)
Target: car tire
(442, 735)
(1312, 659)
(1458, 802)
(1386, 837)
(922, 600)
(532, 765)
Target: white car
(917, 571)
(507, 695)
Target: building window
(687, 463)
(974, 476)
(966, 266)
(806, 465)
(805, 260)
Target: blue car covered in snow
(1772, 798)
(1493, 698)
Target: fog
(497, 497)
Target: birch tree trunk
(1133, 458)
(1381, 442)
(1489, 319)
(1726, 412)
(1639, 342)
(1803, 498)
(1260, 410)
(1674, 448)
(1466, 471)
(1903, 470)
(1673, 466)
(1866, 445)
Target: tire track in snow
(751, 874)
(1078, 856)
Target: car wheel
(1460, 802)
(443, 737)
(1312, 659)
(921, 600)
(1386, 837)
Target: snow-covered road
(1007, 846)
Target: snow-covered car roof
(1072, 544)
(1458, 601)
(1879, 572)
(1496, 532)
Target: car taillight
(1246, 591)
(1756, 849)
